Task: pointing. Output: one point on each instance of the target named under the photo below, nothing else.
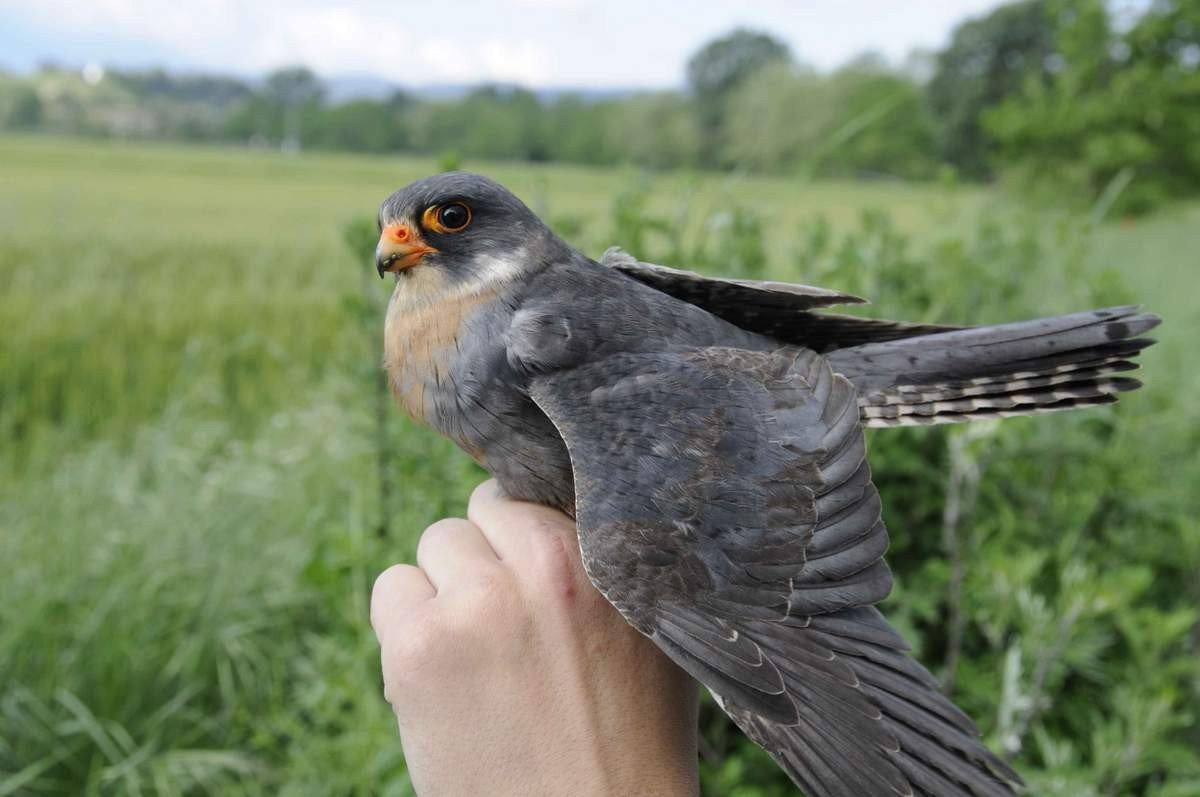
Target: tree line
(1061, 93)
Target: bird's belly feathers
(447, 368)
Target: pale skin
(509, 674)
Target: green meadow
(197, 488)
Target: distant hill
(341, 88)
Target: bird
(706, 435)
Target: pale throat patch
(424, 286)
(424, 319)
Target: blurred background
(201, 472)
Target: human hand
(511, 675)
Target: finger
(509, 525)
(450, 549)
(397, 591)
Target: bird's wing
(699, 289)
(725, 507)
(779, 310)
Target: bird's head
(457, 230)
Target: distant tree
(577, 130)
(865, 120)
(291, 91)
(883, 125)
(1121, 115)
(718, 68)
(492, 121)
(358, 126)
(293, 86)
(987, 61)
(778, 119)
(656, 130)
(211, 90)
(25, 110)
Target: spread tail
(1022, 368)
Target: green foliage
(717, 71)
(987, 60)
(1121, 107)
(190, 486)
(490, 122)
(1057, 550)
(779, 119)
(723, 64)
(449, 161)
(882, 127)
(729, 240)
(655, 131)
(359, 126)
(24, 111)
(862, 121)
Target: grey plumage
(750, 566)
(707, 436)
(778, 310)
(923, 374)
(1009, 369)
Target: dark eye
(454, 217)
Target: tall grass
(189, 502)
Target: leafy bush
(1121, 108)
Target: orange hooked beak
(399, 248)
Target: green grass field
(189, 501)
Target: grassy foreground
(189, 502)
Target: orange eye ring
(448, 218)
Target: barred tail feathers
(1022, 368)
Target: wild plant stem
(961, 491)
(1051, 654)
(383, 456)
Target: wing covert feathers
(713, 293)
(778, 310)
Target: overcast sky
(542, 43)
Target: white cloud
(627, 43)
(445, 58)
(516, 62)
(388, 40)
(556, 5)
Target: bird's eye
(453, 217)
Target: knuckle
(483, 493)
(446, 527)
(440, 532)
(386, 581)
(385, 591)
